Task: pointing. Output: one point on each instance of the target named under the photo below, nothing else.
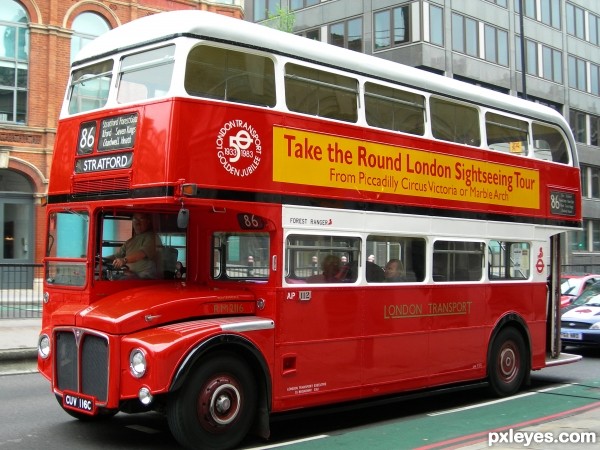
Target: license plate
(574, 336)
(79, 402)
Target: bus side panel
(318, 351)
(396, 339)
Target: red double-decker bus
(243, 222)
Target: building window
(465, 35)
(531, 52)
(436, 25)
(585, 191)
(502, 3)
(575, 21)
(550, 11)
(552, 64)
(594, 79)
(594, 26)
(299, 4)
(391, 27)
(577, 73)
(14, 62)
(496, 45)
(594, 191)
(87, 26)
(314, 34)
(263, 9)
(347, 34)
(594, 130)
(577, 121)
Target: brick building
(37, 41)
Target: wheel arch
(250, 354)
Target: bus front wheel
(508, 364)
(216, 406)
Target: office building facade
(479, 42)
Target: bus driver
(139, 252)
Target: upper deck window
(394, 109)
(506, 134)
(89, 87)
(146, 75)
(320, 93)
(223, 74)
(455, 122)
(549, 144)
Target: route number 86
(87, 137)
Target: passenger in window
(374, 272)
(395, 271)
(138, 253)
(179, 270)
(332, 271)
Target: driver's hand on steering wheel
(119, 262)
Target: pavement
(18, 342)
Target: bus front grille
(81, 363)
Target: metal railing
(21, 289)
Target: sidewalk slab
(19, 334)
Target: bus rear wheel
(216, 406)
(508, 364)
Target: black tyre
(216, 406)
(509, 362)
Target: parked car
(580, 321)
(572, 286)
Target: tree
(282, 20)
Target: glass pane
(506, 134)
(321, 93)
(472, 39)
(336, 34)
(90, 86)
(401, 25)
(229, 75)
(355, 35)
(21, 106)
(490, 44)
(7, 75)
(7, 104)
(382, 29)
(436, 25)
(455, 122)
(458, 36)
(22, 74)
(146, 75)
(550, 144)
(394, 109)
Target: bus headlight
(137, 363)
(44, 346)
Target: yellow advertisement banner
(319, 159)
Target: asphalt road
(30, 417)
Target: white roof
(203, 24)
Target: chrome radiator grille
(81, 362)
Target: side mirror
(183, 218)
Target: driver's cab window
(141, 245)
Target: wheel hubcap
(509, 363)
(220, 402)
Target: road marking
(283, 444)
(493, 402)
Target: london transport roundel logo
(238, 148)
